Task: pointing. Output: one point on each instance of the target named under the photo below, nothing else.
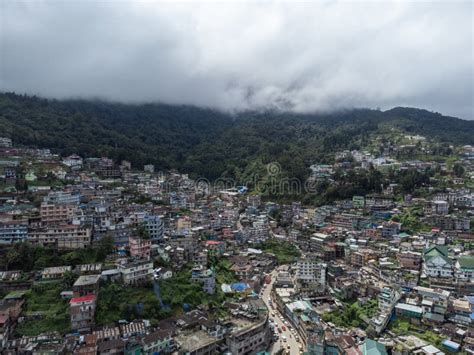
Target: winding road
(294, 346)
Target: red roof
(87, 298)
(213, 242)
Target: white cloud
(304, 56)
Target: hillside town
(103, 257)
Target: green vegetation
(223, 272)
(285, 252)
(212, 144)
(180, 290)
(403, 327)
(352, 315)
(45, 310)
(410, 220)
(117, 302)
(24, 256)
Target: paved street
(290, 338)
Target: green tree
(458, 170)
(106, 247)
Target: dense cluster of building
(160, 223)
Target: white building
(5, 142)
(73, 161)
(441, 207)
(464, 269)
(310, 272)
(136, 272)
(436, 262)
(149, 168)
(387, 299)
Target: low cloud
(300, 56)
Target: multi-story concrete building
(183, 225)
(311, 274)
(159, 342)
(139, 248)
(56, 213)
(136, 272)
(73, 161)
(390, 229)
(387, 299)
(155, 227)
(436, 262)
(318, 241)
(82, 310)
(5, 142)
(86, 285)
(13, 233)
(409, 259)
(62, 197)
(248, 337)
(361, 257)
(439, 207)
(149, 168)
(464, 269)
(434, 303)
(63, 237)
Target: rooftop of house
(56, 270)
(85, 280)
(157, 335)
(372, 347)
(88, 298)
(110, 344)
(466, 262)
(194, 340)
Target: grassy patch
(223, 272)
(351, 315)
(44, 300)
(403, 327)
(286, 253)
(180, 290)
(118, 301)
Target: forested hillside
(206, 142)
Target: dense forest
(206, 142)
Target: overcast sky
(305, 56)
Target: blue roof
(239, 286)
(451, 344)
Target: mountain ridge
(208, 142)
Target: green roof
(466, 262)
(436, 250)
(372, 347)
(15, 295)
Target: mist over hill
(206, 142)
